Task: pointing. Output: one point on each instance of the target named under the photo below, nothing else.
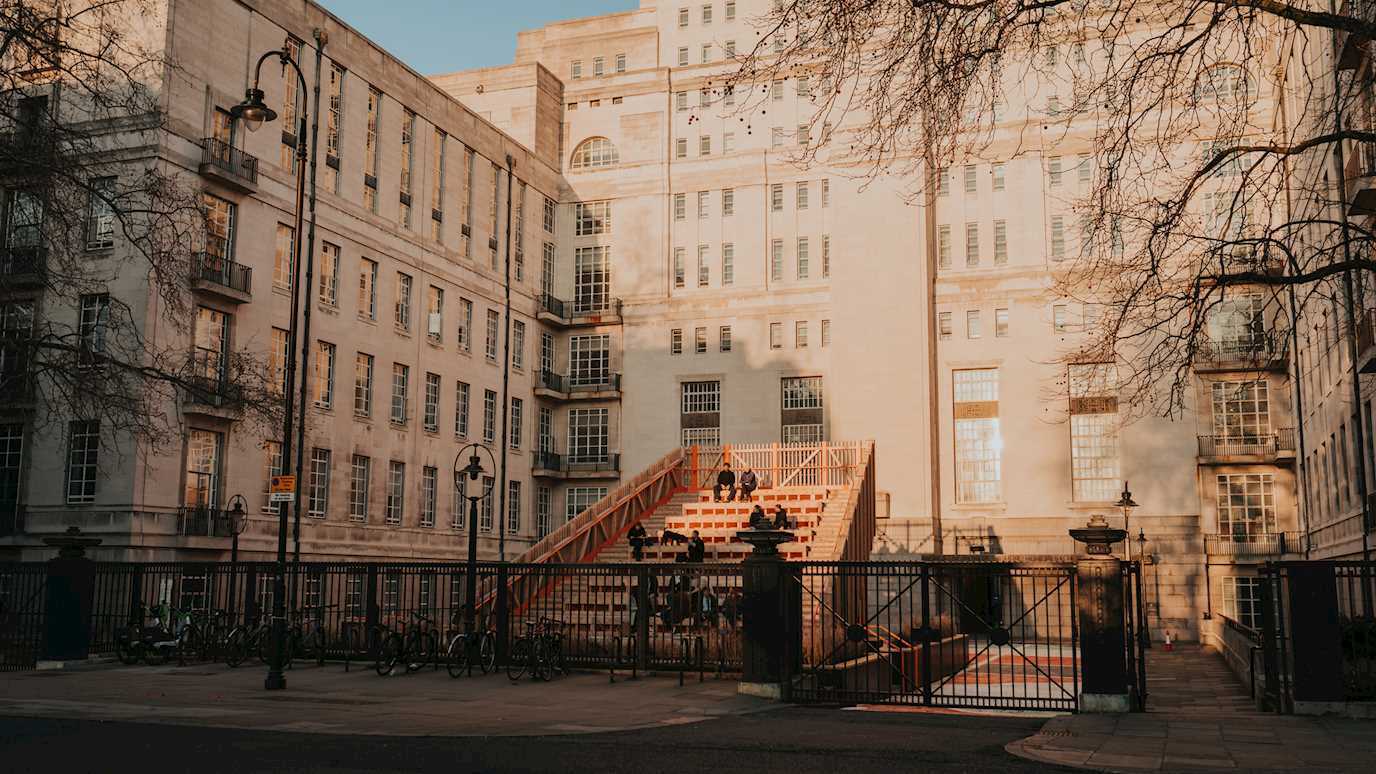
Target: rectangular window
(599, 67)
(1053, 171)
(701, 398)
(434, 308)
(943, 182)
(730, 10)
(461, 391)
(1000, 323)
(367, 289)
(826, 333)
(728, 202)
(800, 334)
(329, 274)
(590, 360)
(203, 449)
(703, 208)
(776, 197)
(1000, 242)
(1094, 432)
(700, 341)
(826, 256)
(100, 213)
(592, 218)
(485, 510)
(943, 247)
(517, 407)
(518, 345)
(803, 259)
(801, 195)
(370, 150)
(680, 206)
(621, 63)
(996, 174)
(432, 402)
(704, 271)
(724, 338)
(802, 392)
(681, 100)
(333, 121)
(408, 132)
(592, 280)
(971, 179)
(396, 491)
(1242, 600)
(429, 495)
(943, 325)
(704, 146)
(277, 360)
(319, 490)
(92, 324)
(83, 449)
(575, 69)
(272, 466)
(973, 329)
(978, 441)
(1247, 504)
(403, 302)
(826, 193)
(360, 473)
(682, 56)
(676, 341)
(776, 335)
(465, 334)
(324, 375)
(1060, 318)
(283, 264)
(1241, 414)
(581, 498)
(588, 436)
(728, 264)
(971, 245)
(489, 416)
(543, 510)
(1084, 167)
(679, 269)
(437, 186)
(728, 142)
(513, 507)
(776, 90)
(1057, 238)
(490, 343)
(776, 260)
(466, 229)
(401, 378)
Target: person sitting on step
(636, 536)
(780, 517)
(757, 518)
(726, 482)
(748, 484)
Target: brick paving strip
(329, 701)
(1199, 717)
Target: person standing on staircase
(749, 483)
(636, 537)
(726, 481)
(697, 550)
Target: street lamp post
(254, 113)
(1126, 502)
(463, 476)
(238, 520)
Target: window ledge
(995, 506)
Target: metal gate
(982, 635)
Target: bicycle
(307, 634)
(420, 646)
(242, 641)
(464, 646)
(540, 651)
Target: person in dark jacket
(636, 536)
(749, 483)
(757, 518)
(726, 482)
(780, 517)
(697, 550)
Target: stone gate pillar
(67, 600)
(1104, 683)
(771, 616)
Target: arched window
(1226, 81)
(594, 153)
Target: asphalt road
(793, 740)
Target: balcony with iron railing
(208, 386)
(1351, 45)
(1366, 340)
(591, 311)
(1254, 545)
(213, 272)
(1258, 352)
(227, 164)
(1361, 177)
(594, 386)
(23, 265)
(204, 521)
(1248, 448)
(546, 463)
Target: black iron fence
(22, 600)
(225, 157)
(1318, 633)
(987, 635)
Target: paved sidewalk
(1199, 717)
(329, 701)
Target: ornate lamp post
(1126, 502)
(463, 478)
(238, 520)
(254, 113)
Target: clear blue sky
(437, 36)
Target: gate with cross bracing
(992, 635)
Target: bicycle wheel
(189, 645)
(456, 659)
(556, 655)
(420, 648)
(518, 660)
(263, 639)
(154, 655)
(236, 649)
(487, 653)
(539, 663)
(129, 653)
(390, 654)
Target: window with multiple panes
(679, 269)
(429, 495)
(401, 400)
(513, 507)
(318, 491)
(432, 402)
(728, 264)
(489, 416)
(592, 218)
(363, 384)
(724, 338)
(284, 257)
(978, 440)
(592, 280)
(1241, 410)
(517, 414)
(434, 311)
(1246, 504)
(92, 323)
(329, 274)
(587, 435)
(83, 450)
(324, 375)
(490, 345)
(579, 498)
(1242, 600)
(360, 474)
(518, 345)
(461, 393)
(776, 260)
(202, 486)
(776, 335)
(396, 491)
(1093, 432)
(485, 507)
(589, 360)
(403, 302)
(367, 289)
(676, 341)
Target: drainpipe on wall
(506, 372)
(933, 362)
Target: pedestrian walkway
(328, 700)
(1199, 717)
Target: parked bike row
(187, 636)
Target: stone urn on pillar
(771, 615)
(1103, 670)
